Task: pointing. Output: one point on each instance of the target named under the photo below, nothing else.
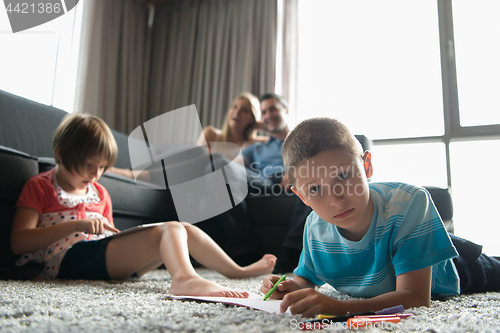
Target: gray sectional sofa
(26, 130)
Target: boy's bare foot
(197, 286)
(264, 266)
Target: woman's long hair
(249, 130)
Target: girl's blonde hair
(249, 131)
(80, 137)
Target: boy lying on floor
(383, 241)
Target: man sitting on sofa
(265, 171)
(263, 160)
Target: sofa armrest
(17, 168)
(444, 205)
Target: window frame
(453, 130)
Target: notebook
(253, 301)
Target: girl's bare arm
(26, 237)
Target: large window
(374, 65)
(41, 63)
(477, 44)
(399, 72)
(401, 163)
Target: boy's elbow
(424, 297)
(421, 302)
(415, 298)
(418, 300)
(426, 301)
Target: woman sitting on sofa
(239, 128)
(230, 230)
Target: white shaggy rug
(140, 305)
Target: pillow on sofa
(28, 126)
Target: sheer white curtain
(290, 49)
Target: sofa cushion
(444, 205)
(134, 205)
(123, 158)
(29, 126)
(17, 168)
(365, 142)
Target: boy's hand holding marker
(274, 287)
(309, 302)
(283, 286)
(298, 296)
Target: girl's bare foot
(197, 286)
(264, 266)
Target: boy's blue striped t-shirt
(406, 234)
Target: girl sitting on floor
(62, 215)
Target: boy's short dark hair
(311, 137)
(273, 95)
(81, 136)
